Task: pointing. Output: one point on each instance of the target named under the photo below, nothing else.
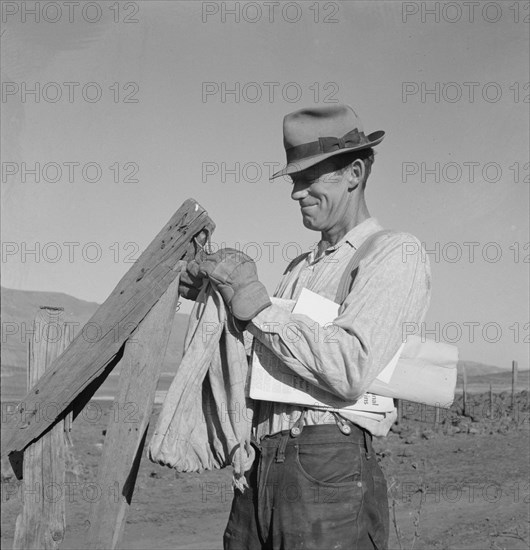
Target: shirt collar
(355, 237)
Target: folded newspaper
(271, 380)
(421, 371)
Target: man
(315, 483)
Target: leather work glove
(191, 281)
(236, 277)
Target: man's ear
(356, 174)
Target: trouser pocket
(340, 463)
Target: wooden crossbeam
(83, 363)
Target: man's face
(322, 195)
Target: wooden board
(97, 345)
(140, 369)
(41, 524)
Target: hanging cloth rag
(206, 418)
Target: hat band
(325, 145)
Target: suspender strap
(343, 290)
(295, 262)
(350, 272)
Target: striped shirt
(391, 288)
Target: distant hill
(479, 381)
(18, 310)
(473, 368)
(481, 376)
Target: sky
(137, 106)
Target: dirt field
(460, 484)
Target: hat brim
(303, 164)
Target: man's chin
(309, 223)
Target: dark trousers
(319, 490)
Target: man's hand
(236, 277)
(191, 281)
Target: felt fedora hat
(318, 133)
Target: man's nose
(299, 191)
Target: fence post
(464, 374)
(125, 437)
(514, 385)
(41, 524)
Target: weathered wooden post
(436, 417)
(124, 441)
(491, 403)
(464, 396)
(514, 385)
(41, 524)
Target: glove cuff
(249, 301)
